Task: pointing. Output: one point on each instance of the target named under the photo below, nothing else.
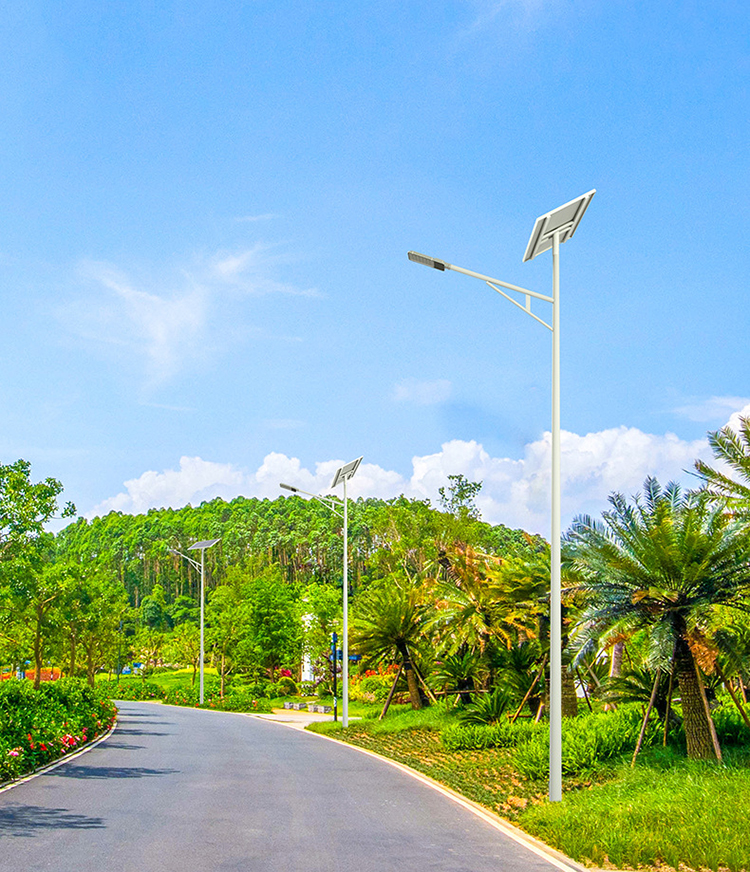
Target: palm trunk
(615, 669)
(411, 678)
(700, 733)
(569, 702)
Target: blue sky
(206, 211)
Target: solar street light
(199, 546)
(342, 476)
(549, 231)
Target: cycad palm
(663, 565)
(389, 625)
(475, 605)
(733, 448)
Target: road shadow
(122, 746)
(125, 731)
(72, 771)
(26, 820)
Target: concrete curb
(42, 770)
(552, 856)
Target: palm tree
(665, 565)
(389, 625)
(476, 606)
(733, 449)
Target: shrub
(587, 741)
(286, 686)
(471, 737)
(373, 686)
(131, 689)
(730, 727)
(39, 726)
(488, 709)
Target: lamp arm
(527, 307)
(320, 499)
(190, 560)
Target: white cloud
(422, 393)
(734, 419)
(155, 327)
(515, 492)
(713, 409)
(196, 480)
(165, 325)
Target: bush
(39, 726)
(730, 727)
(286, 686)
(239, 700)
(473, 737)
(488, 709)
(131, 689)
(373, 686)
(587, 741)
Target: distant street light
(343, 474)
(199, 546)
(549, 231)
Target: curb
(48, 767)
(552, 856)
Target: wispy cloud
(517, 14)
(422, 393)
(155, 326)
(713, 409)
(161, 325)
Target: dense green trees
(459, 607)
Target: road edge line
(48, 767)
(546, 852)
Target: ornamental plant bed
(38, 727)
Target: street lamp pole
(343, 474)
(549, 231)
(202, 546)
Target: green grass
(688, 813)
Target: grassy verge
(666, 812)
(685, 814)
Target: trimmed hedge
(40, 726)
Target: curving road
(185, 790)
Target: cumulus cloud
(422, 393)
(515, 492)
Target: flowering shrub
(374, 685)
(134, 689)
(235, 700)
(39, 726)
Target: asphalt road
(185, 790)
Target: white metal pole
(555, 635)
(203, 555)
(345, 645)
